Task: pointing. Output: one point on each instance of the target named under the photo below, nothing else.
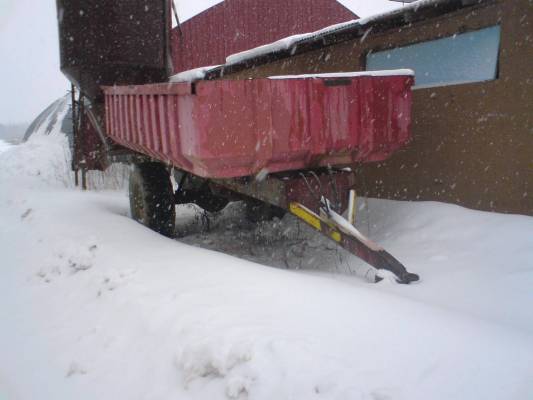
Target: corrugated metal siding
(237, 25)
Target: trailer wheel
(152, 198)
(258, 211)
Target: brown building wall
(472, 143)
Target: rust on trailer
(229, 129)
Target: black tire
(152, 198)
(258, 211)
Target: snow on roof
(392, 72)
(191, 75)
(199, 74)
(285, 43)
(282, 44)
(237, 58)
(293, 41)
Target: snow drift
(53, 127)
(96, 306)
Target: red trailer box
(234, 128)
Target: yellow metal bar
(336, 236)
(352, 240)
(315, 221)
(306, 215)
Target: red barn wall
(237, 25)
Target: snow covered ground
(95, 306)
(4, 146)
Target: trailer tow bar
(341, 231)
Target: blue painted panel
(462, 58)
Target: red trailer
(236, 128)
(283, 144)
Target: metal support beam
(353, 241)
(83, 179)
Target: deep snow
(4, 146)
(95, 306)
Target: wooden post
(83, 179)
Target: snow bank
(97, 306)
(44, 159)
(47, 152)
(4, 146)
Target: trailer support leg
(338, 229)
(83, 179)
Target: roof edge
(339, 33)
